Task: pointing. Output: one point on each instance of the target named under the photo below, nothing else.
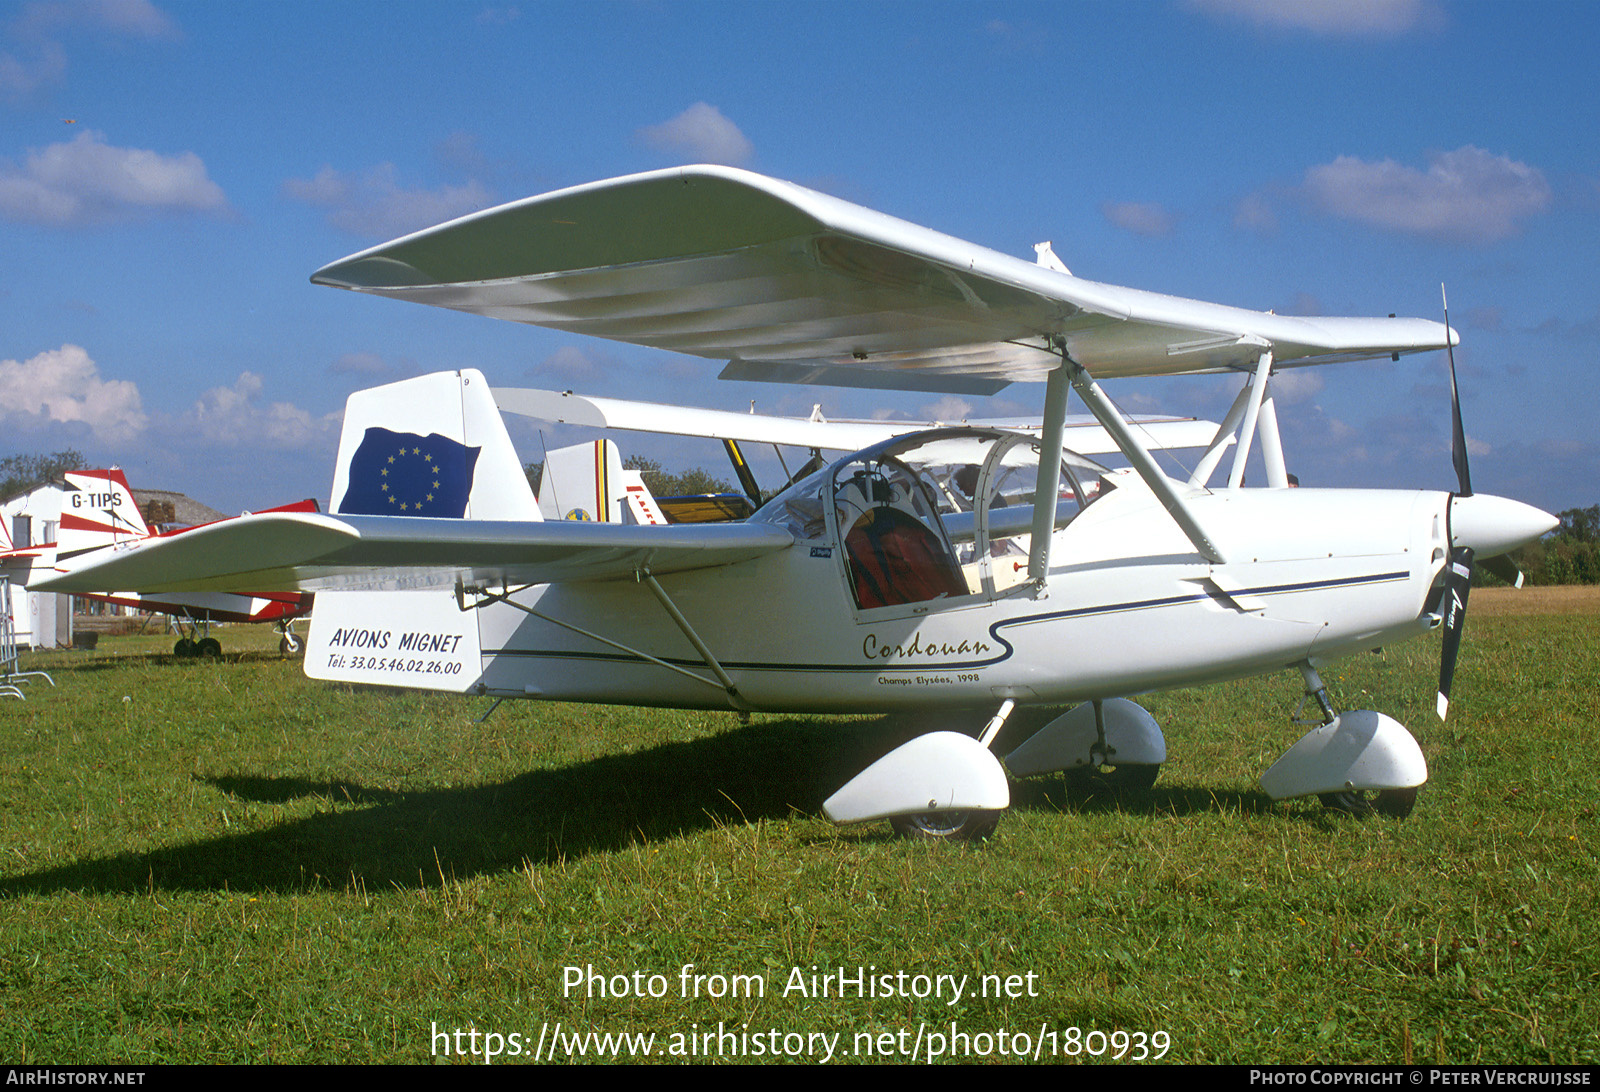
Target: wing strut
(741, 469)
(482, 597)
(1252, 412)
(1272, 444)
(1135, 452)
(1048, 486)
(1219, 443)
(1254, 400)
(645, 577)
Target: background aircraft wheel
(209, 647)
(1132, 778)
(1394, 803)
(184, 648)
(947, 826)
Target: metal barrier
(10, 657)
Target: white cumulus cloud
(374, 205)
(124, 18)
(1296, 385)
(366, 365)
(701, 133)
(64, 385)
(233, 417)
(572, 365)
(87, 181)
(44, 63)
(1255, 213)
(1336, 18)
(949, 409)
(1141, 218)
(1468, 194)
(38, 57)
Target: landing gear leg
(1103, 768)
(288, 643)
(1359, 762)
(197, 642)
(1112, 743)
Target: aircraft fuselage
(1129, 606)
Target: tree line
(20, 473)
(1568, 555)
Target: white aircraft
(960, 568)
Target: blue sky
(170, 175)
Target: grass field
(227, 862)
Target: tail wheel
(947, 826)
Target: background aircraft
(98, 510)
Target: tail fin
(641, 506)
(434, 446)
(588, 482)
(97, 509)
(431, 446)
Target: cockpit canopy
(946, 513)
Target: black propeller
(1458, 572)
(1457, 583)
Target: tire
(1391, 803)
(1131, 778)
(184, 649)
(209, 648)
(947, 826)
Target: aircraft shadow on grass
(409, 838)
(161, 659)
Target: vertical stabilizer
(434, 446)
(97, 509)
(640, 503)
(431, 447)
(588, 482)
(582, 482)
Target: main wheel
(1130, 778)
(209, 647)
(947, 826)
(1393, 803)
(184, 649)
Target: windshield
(934, 514)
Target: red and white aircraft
(964, 568)
(98, 511)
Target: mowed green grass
(227, 862)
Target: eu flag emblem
(403, 474)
